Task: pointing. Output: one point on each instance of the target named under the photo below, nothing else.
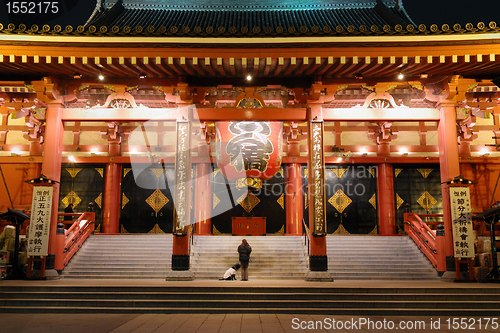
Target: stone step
(232, 297)
(231, 304)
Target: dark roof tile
(250, 14)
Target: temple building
(251, 118)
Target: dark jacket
(68, 209)
(244, 251)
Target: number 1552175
(31, 7)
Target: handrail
(422, 235)
(305, 232)
(191, 238)
(72, 239)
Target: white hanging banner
(41, 209)
(461, 216)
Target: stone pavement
(226, 323)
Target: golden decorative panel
(374, 231)
(425, 172)
(248, 201)
(157, 172)
(281, 200)
(126, 171)
(306, 202)
(339, 172)
(399, 201)
(73, 198)
(101, 171)
(281, 231)
(248, 182)
(373, 201)
(216, 200)
(123, 230)
(400, 231)
(397, 172)
(216, 171)
(157, 200)
(215, 231)
(73, 171)
(281, 172)
(125, 200)
(97, 230)
(341, 231)
(305, 172)
(427, 201)
(340, 201)
(98, 200)
(156, 230)
(372, 171)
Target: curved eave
(125, 41)
(335, 58)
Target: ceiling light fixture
(358, 76)
(401, 76)
(101, 77)
(142, 76)
(424, 76)
(77, 76)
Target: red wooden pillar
(203, 192)
(114, 148)
(384, 149)
(34, 170)
(386, 204)
(111, 203)
(464, 149)
(51, 168)
(293, 192)
(449, 167)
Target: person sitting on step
(230, 274)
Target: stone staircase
(273, 257)
(377, 258)
(229, 298)
(130, 256)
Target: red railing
(425, 238)
(69, 241)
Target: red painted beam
(120, 115)
(268, 114)
(367, 114)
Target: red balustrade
(69, 242)
(425, 238)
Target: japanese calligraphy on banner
(41, 208)
(317, 179)
(250, 149)
(182, 178)
(463, 237)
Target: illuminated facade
(375, 112)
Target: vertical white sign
(182, 178)
(41, 209)
(461, 216)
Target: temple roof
(221, 18)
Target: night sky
(440, 12)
